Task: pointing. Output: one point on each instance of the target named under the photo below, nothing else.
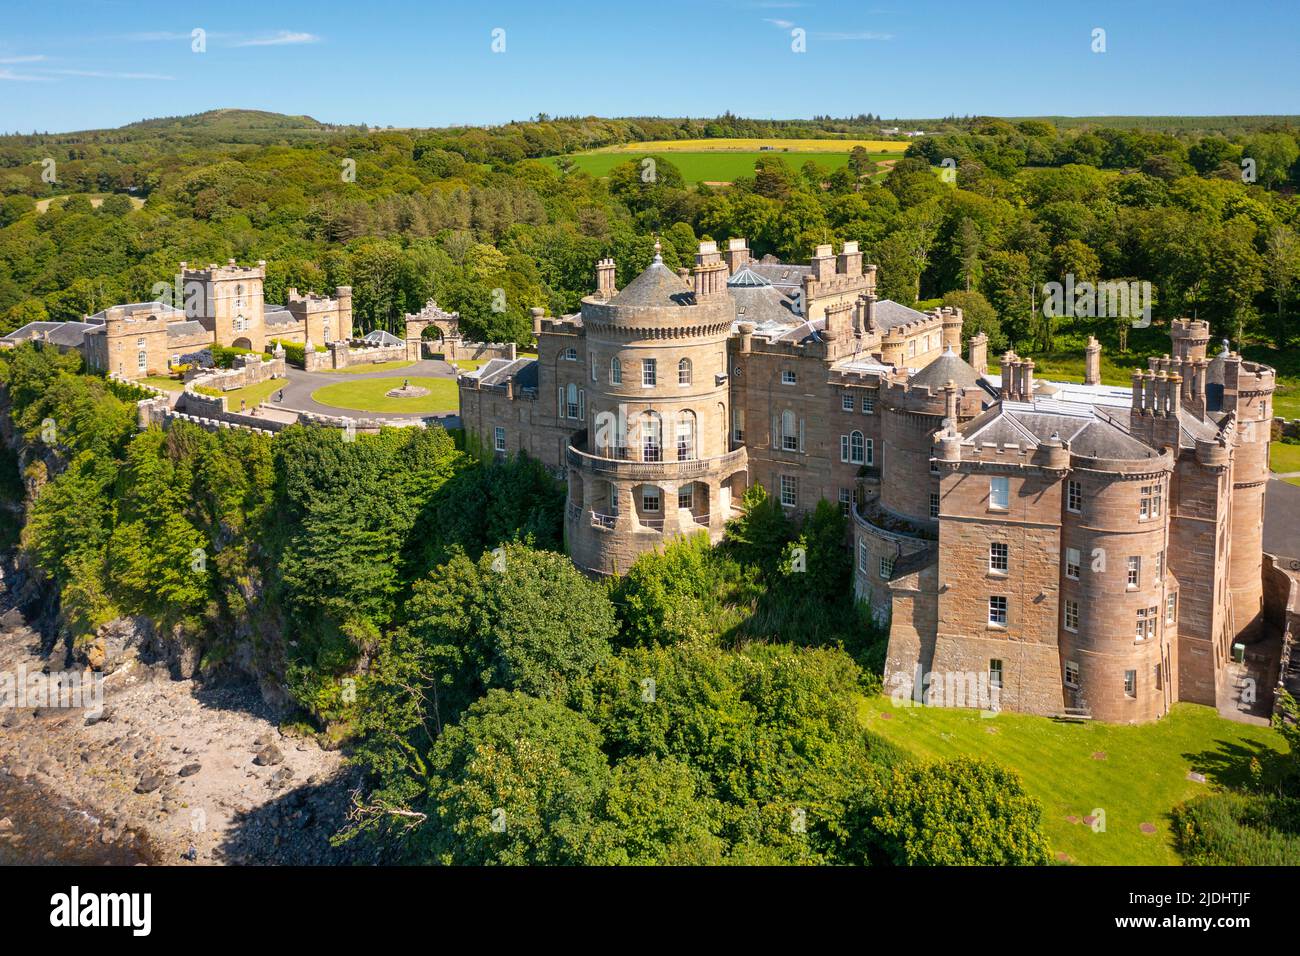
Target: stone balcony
(668, 470)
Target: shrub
(1234, 829)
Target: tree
(978, 315)
(957, 812)
(1274, 155)
(517, 781)
(1281, 269)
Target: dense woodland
(411, 600)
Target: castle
(1082, 547)
(217, 305)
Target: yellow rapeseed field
(749, 145)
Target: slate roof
(278, 315)
(497, 370)
(780, 274)
(657, 286)
(1089, 434)
(948, 367)
(66, 334)
(152, 307)
(381, 337)
(177, 330)
(889, 314)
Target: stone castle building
(218, 305)
(1078, 546)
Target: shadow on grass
(1228, 765)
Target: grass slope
(368, 395)
(392, 366)
(1143, 775)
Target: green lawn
(1142, 776)
(251, 395)
(392, 366)
(468, 365)
(368, 395)
(1283, 456)
(164, 382)
(714, 165)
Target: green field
(252, 395)
(392, 366)
(1135, 775)
(368, 395)
(713, 166)
(1284, 457)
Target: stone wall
(455, 349)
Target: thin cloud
(780, 24)
(283, 38)
(106, 75)
(11, 76)
(33, 58)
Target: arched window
(857, 447)
(615, 371)
(569, 355)
(789, 431)
(685, 436)
(684, 372)
(651, 437)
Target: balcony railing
(653, 469)
(603, 521)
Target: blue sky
(99, 63)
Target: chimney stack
(710, 271)
(736, 256)
(850, 260)
(823, 263)
(979, 353)
(1092, 362)
(605, 279)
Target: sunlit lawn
(1142, 776)
(373, 367)
(251, 395)
(164, 382)
(1283, 456)
(369, 395)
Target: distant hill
(230, 119)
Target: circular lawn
(371, 395)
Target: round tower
(1117, 649)
(655, 459)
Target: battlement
(231, 270)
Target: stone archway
(242, 343)
(445, 324)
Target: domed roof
(657, 286)
(747, 278)
(948, 367)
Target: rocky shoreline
(171, 771)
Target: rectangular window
(995, 673)
(911, 348)
(1160, 567)
(846, 501)
(787, 377)
(615, 372)
(1134, 571)
(593, 369)
(934, 504)
(871, 451)
(844, 448)
(868, 405)
(1130, 683)
(1072, 559)
(999, 494)
(934, 467)
(998, 610)
(1151, 502)
(886, 568)
(1071, 674)
(1071, 615)
(650, 499)
(1171, 608)
(648, 372)
(142, 360)
(1073, 496)
(686, 497)
(738, 424)
(499, 438)
(789, 491)
(864, 557)
(1146, 623)
(846, 401)
(999, 555)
